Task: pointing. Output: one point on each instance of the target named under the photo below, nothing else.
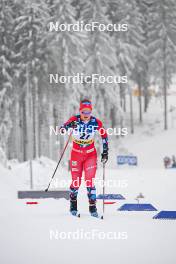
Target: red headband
(85, 105)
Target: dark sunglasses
(86, 112)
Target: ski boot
(91, 193)
(93, 208)
(73, 207)
(73, 201)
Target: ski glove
(73, 124)
(104, 156)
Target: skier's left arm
(104, 136)
(71, 123)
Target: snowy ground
(31, 234)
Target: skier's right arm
(71, 123)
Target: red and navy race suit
(84, 154)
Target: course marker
(31, 202)
(137, 207)
(111, 196)
(166, 215)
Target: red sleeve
(66, 125)
(71, 119)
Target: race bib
(83, 135)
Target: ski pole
(103, 186)
(62, 154)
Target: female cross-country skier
(84, 155)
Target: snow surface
(26, 229)
(29, 232)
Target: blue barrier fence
(130, 160)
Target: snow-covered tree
(162, 44)
(130, 46)
(29, 52)
(101, 58)
(31, 56)
(6, 80)
(68, 51)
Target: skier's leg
(73, 200)
(91, 193)
(90, 166)
(76, 166)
